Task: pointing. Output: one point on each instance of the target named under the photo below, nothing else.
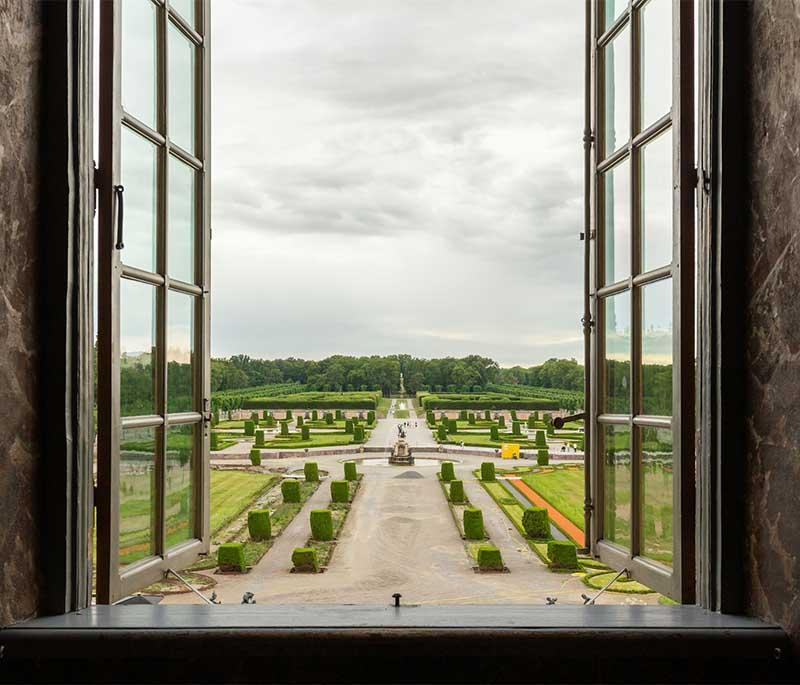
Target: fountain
(401, 453)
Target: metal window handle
(118, 191)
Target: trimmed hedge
(358, 433)
(259, 524)
(501, 421)
(488, 471)
(473, 524)
(348, 427)
(230, 557)
(214, 441)
(255, 457)
(329, 418)
(340, 491)
(254, 417)
(290, 489)
(516, 429)
(314, 415)
(487, 415)
(371, 416)
(562, 554)
(338, 414)
(283, 403)
(249, 428)
(265, 415)
(289, 415)
(513, 414)
(448, 471)
(494, 433)
(462, 415)
(452, 426)
(489, 558)
(435, 402)
(350, 472)
(305, 433)
(543, 457)
(311, 471)
(321, 524)
(270, 422)
(536, 522)
(299, 421)
(471, 418)
(441, 432)
(457, 491)
(284, 428)
(531, 421)
(541, 440)
(260, 438)
(304, 559)
(430, 417)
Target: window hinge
(703, 180)
(96, 188)
(588, 137)
(588, 323)
(206, 410)
(94, 497)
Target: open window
(641, 292)
(153, 292)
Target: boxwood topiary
(259, 524)
(338, 414)
(299, 421)
(487, 415)
(562, 554)
(311, 471)
(494, 433)
(430, 417)
(255, 457)
(249, 428)
(489, 558)
(348, 427)
(340, 491)
(448, 471)
(543, 457)
(254, 417)
(304, 559)
(457, 491)
(289, 415)
(230, 557)
(290, 489)
(284, 428)
(536, 523)
(473, 524)
(350, 472)
(322, 524)
(265, 414)
(501, 421)
(314, 415)
(515, 428)
(531, 422)
(329, 419)
(452, 426)
(259, 438)
(487, 471)
(441, 432)
(358, 433)
(305, 433)
(471, 418)
(371, 416)
(214, 441)
(541, 440)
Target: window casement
(153, 364)
(641, 281)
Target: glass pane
(180, 247)
(617, 485)
(657, 494)
(611, 11)
(617, 223)
(185, 8)
(138, 44)
(617, 354)
(657, 202)
(137, 494)
(139, 169)
(179, 486)
(180, 345)
(137, 347)
(181, 89)
(657, 348)
(617, 94)
(656, 69)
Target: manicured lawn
(383, 406)
(485, 439)
(401, 414)
(232, 492)
(563, 488)
(295, 441)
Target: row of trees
(565, 374)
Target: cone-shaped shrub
(255, 457)
(340, 491)
(329, 418)
(441, 432)
(462, 415)
(358, 434)
(543, 457)
(494, 433)
(562, 554)
(254, 417)
(487, 415)
(311, 471)
(259, 525)
(452, 426)
(290, 490)
(513, 414)
(314, 415)
(430, 417)
(350, 472)
(265, 414)
(536, 523)
(284, 428)
(489, 558)
(550, 430)
(448, 472)
(457, 491)
(214, 441)
(501, 421)
(230, 557)
(304, 560)
(322, 524)
(299, 421)
(338, 414)
(215, 417)
(541, 440)
(487, 471)
(270, 421)
(515, 428)
(531, 422)
(536, 416)
(471, 418)
(443, 417)
(260, 437)
(305, 433)
(371, 417)
(249, 428)
(473, 524)
(348, 427)
(289, 416)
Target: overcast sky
(397, 177)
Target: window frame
(114, 582)
(679, 581)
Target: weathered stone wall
(20, 454)
(772, 490)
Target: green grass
(232, 492)
(401, 413)
(235, 423)
(485, 439)
(383, 407)
(295, 441)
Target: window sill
(333, 643)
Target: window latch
(206, 410)
(118, 191)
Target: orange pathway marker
(566, 526)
